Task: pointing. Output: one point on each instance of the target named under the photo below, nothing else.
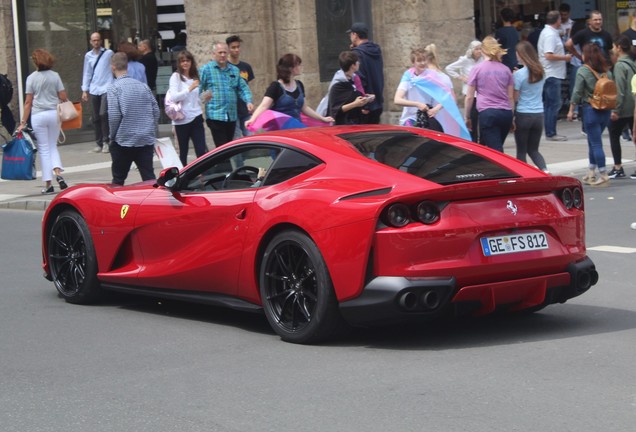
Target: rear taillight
(399, 215)
(572, 198)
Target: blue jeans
(551, 104)
(494, 125)
(595, 122)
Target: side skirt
(188, 296)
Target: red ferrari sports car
(321, 227)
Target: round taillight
(567, 198)
(427, 212)
(577, 197)
(397, 215)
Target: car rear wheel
(296, 290)
(72, 259)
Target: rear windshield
(426, 158)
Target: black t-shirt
(247, 74)
(149, 61)
(275, 90)
(602, 39)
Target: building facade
(313, 29)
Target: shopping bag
(75, 123)
(18, 159)
(167, 154)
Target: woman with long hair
(492, 80)
(460, 69)
(287, 94)
(184, 88)
(594, 64)
(44, 91)
(623, 115)
(528, 91)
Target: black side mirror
(168, 177)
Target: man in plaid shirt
(224, 80)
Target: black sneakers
(633, 176)
(616, 173)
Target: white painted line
(7, 197)
(614, 249)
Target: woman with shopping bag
(44, 91)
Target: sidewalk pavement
(81, 165)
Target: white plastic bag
(167, 154)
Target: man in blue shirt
(132, 132)
(96, 78)
(224, 80)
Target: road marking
(614, 249)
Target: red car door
(193, 241)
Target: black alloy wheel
(72, 259)
(296, 290)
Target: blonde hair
(430, 51)
(491, 48)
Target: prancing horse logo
(124, 210)
(512, 208)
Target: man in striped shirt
(224, 80)
(133, 115)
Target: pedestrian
(460, 69)
(554, 60)
(133, 115)
(287, 94)
(508, 36)
(412, 98)
(595, 120)
(234, 45)
(593, 33)
(6, 94)
(371, 71)
(224, 81)
(623, 115)
(96, 78)
(151, 65)
(44, 91)
(345, 101)
(184, 88)
(493, 81)
(528, 120)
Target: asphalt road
(136, 364)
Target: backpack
(6, 90)
(605, 92)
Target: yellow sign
(124, 210)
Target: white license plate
(514, 243)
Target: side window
(231, 170)
(289, 164)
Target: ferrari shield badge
(124, 210)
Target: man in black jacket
(371, 70)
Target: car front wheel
(72, 259)
(296, 290)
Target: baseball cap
(359, 27)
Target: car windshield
(426, 158)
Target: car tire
(296, 290)
(72, 259)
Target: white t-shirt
(550, 42)
(190, 104)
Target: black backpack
(6, 90)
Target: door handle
(241, 214)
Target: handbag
(173, 109)
(18, 158)
(66, 111)
(75, 123)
